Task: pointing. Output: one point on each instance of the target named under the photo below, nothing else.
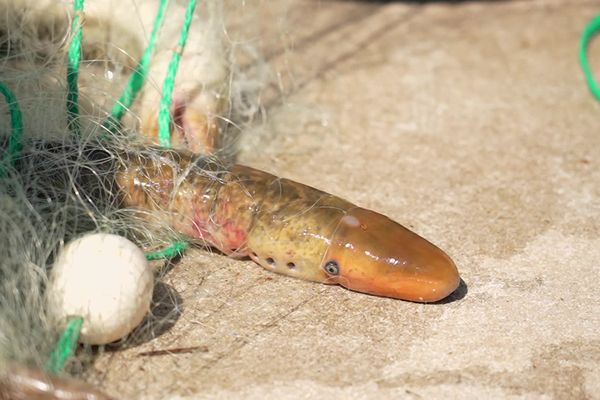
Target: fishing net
(109, 77)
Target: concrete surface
(469, 123)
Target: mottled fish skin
(285, 226)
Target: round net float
(104, 279)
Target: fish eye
(332, 267)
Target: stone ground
(468, 122)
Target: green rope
(138, 77)
(16, 135)
(68, 340)
(73, 69)
(164, 115)
(135, 84)
(590, 30)
(65, 346)
(173, 250)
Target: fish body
(285, 226)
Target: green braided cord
(138, 77)
(589, 32)
(73, 69)
(164, 118)
(65, 346)
(16, 126)
(164, 115)
(134, 85)
(68, 340)
(169, 252)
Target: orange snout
(372, 254)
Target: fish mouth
(378, 256)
